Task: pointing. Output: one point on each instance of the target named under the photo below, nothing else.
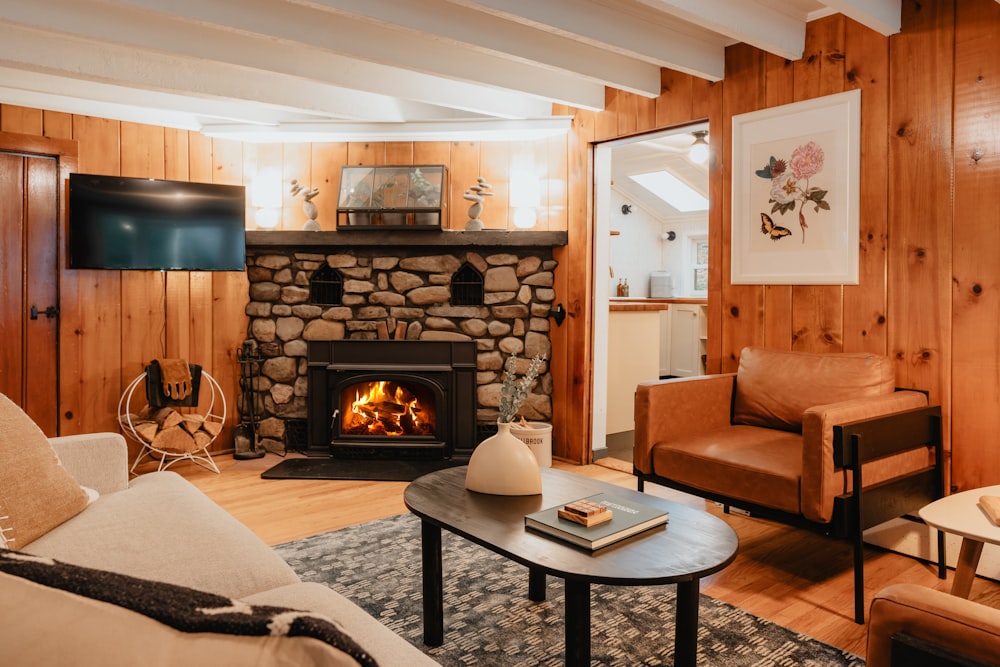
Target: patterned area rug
(490, 621)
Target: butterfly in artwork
(771, 230)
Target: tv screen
(148, 224)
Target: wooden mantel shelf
(496, 238)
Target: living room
(928, 236)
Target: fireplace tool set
(245, 434)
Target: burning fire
(387, 408)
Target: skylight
(672, 190)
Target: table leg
(536, 585)
(433, 584)
(686, 624)
(577, 623)
(965, 571)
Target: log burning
(388, 409)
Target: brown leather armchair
(789, 436)
(913, 626)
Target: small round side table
(960, 514)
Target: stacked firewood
(171, 431)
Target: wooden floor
(791, 577)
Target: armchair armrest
(821, 481)
(934, 617)
(678, 407)
(96, 460)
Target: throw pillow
(36, 492)
(179, 607)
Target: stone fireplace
(492, 292)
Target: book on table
(628, 518)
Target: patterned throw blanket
(182, 608)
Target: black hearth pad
(362, 469)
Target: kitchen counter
(637, 304)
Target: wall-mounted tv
(150, 224)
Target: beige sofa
(156, 527)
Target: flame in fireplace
(387, 408)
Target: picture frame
(796, 181)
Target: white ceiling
(316, 70)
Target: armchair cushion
(36, 492)
(774, 388)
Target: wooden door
(29, 322)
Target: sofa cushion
(774, 388)
(163, 527)
(36, 492)
(758, 465)
(48, 626)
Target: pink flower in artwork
(807, 160)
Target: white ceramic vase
(502, 465)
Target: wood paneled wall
(929, 241)
(929, 292)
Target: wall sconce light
(668, 236)
(525, 198)
(698, 152)
(626, 209)
(265, 196)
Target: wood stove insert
(392, 399)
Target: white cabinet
(632, 358)
(687, 339)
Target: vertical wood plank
(229, 290)
(90, 335)
(779, 88)
(817, 310)
(21, 120)
(12, 298)
(572, 343)
(555, 212)
(710, 106)
(327, 162)
(494, 166)
(975, 372)
(464, 172)
(57, 125)
(919, 192)
(867, 69)
(674, 105)
(742, 305)
(143, 307)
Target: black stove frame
(446, 368)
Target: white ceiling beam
(884, 16)
(753, 23)
(467, 130)
(466, 28)
(605, 26)
(255, 64)
(110, 63)
(333, 35)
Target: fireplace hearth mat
(382, 470)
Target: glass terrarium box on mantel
(393, 197)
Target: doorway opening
(651, 198)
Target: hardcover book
(628, 518)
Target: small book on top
(596, 521)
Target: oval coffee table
(692, 545)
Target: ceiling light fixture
(698, 152)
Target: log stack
(171, 431)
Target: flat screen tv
(149, 224)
